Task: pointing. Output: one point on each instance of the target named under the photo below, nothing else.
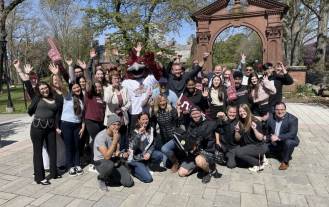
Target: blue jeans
(139, 169)
(70, 132)
(167, 151)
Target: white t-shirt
(137, 91)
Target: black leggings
(38, 136)
(251, 153)
(93, 127)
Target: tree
(134, 19)
(4, 12)
(321, 10)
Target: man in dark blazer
(282, 128)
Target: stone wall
(298, 74)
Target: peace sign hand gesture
(152, 103)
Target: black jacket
(205, 132)
(279, 81)
(167, 122)
(138, 150)
(35, 100)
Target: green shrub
(290, 95)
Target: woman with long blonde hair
(168, 118)
(249, 129)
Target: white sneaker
(256, 168)
(79, 170)
(151, 172)
(92, 168)
(265, 160)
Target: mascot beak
(137, 70)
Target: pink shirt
(265, 90)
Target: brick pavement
(305, 183)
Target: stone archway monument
(265, 17)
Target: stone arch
(264, 17)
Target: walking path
(305, 183)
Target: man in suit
(282, 130)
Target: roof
(184, 49)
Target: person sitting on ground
(279, 81)
(258, 94)
(107, 155)
(142, 149)
(249, 131)
(227, 142)
(241, 90)
(282, 130)
(203, 130)
(168, 118)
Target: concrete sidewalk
(305, 183)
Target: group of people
(116, 118)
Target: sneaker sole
(103, 190)
(73, 175)
(79, 173)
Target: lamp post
(10, 107)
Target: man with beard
(241, 90)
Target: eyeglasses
(248, 70)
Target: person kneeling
(202, 130)
(107, 155)
(141, 146)
(282, 133)
(227, 142)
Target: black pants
(214, 110)
(106, 168)
(251, 153)
(124, 144)
(287, 146)
(38, 136)
(132, 122)
(230, 154)
(93, 127)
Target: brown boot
(284, 166)
(175, 164)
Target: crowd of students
(93, 116)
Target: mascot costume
(138, 82)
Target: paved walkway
(305, 183)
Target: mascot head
(136, 67)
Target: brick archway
(264, 17)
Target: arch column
(203, 46)
(274, 43)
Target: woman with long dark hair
(258, 94)
(100, 76)
(72, 122)
(60, 146)
(168, 118)
(94, 113)
(46, 113)
(250, 132)
(217, 97)
(142, 149)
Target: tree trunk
(321, 44)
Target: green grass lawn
(17, 98)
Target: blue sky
(184, 32)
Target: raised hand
(174, 58)
(237, 127)
(228, 82)
(92, 53)
(253, 125)
(53, 68)
(265, 78)
(152, 103)
(28, 68)
(205, 92)
(16, 64)
(81, 64)
(180, 55)
(243, 57)
(68, 61)
(115, 51)
(149, 94)
(205, 56)
(139, 47)
(159, 55)
(221, 115)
